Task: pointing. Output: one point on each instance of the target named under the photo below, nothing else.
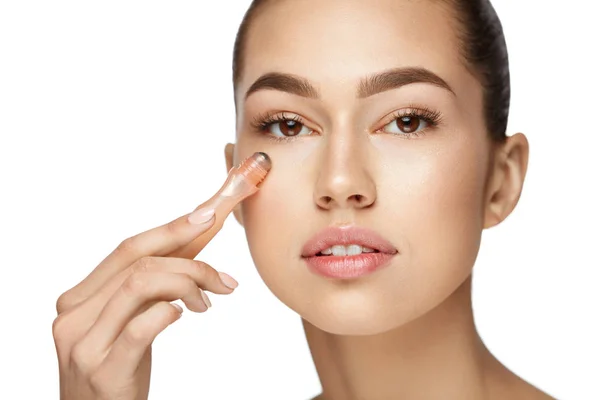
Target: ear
(229, 149)
(508, 171)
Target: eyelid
(288, 115)
(433, 117)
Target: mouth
(346, 241)
(347, 252)
(339, 250)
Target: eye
(406, 124)
(287, 127)
(281, 126)
(411, 122)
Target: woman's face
(402, 155)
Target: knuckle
(81, 359)
(63, 337)
(63, 302)
(135, 284)
(189, 286)
(143, 264)
(133, 335)
(201, 269)
(59, 328)
(172, 228)
(127, 246)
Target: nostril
(325, 201)
(355, 200)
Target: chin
(346, 320)
(374, 311)
(353, 313)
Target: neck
(437, 356)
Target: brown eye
(290, 127)
(408, 124)
(281, 126)
(286, 127)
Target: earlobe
(229, 158)
(506, 179)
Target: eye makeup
(285, 121)
(407, 120)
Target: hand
(106, 324)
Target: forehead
(337, 42)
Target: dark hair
(483, 49)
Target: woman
(386, 124)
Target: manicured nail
(201, 216)
(178, 307)
(228, 280)
(205, 298)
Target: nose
(343, 179)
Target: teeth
(338, 250)
(353, 250)
(350, 250)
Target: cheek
(429, 204)
(438, 214)
(278, 216)
(270, 220)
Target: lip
(346, 235)
(346, 267)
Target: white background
(113, 118)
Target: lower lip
(347, 267)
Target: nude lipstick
(347, 252)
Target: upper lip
(346, 235)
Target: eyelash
(262, 122)
(433, 118)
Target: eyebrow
(387, 80)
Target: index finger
(159, 241)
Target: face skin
(429, 194)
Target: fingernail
(178, 307)
(205, 298)
(228, 280)
(201, 216)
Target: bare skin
(407, 331)
(402, 332)
(106, 324)
(466, 370)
